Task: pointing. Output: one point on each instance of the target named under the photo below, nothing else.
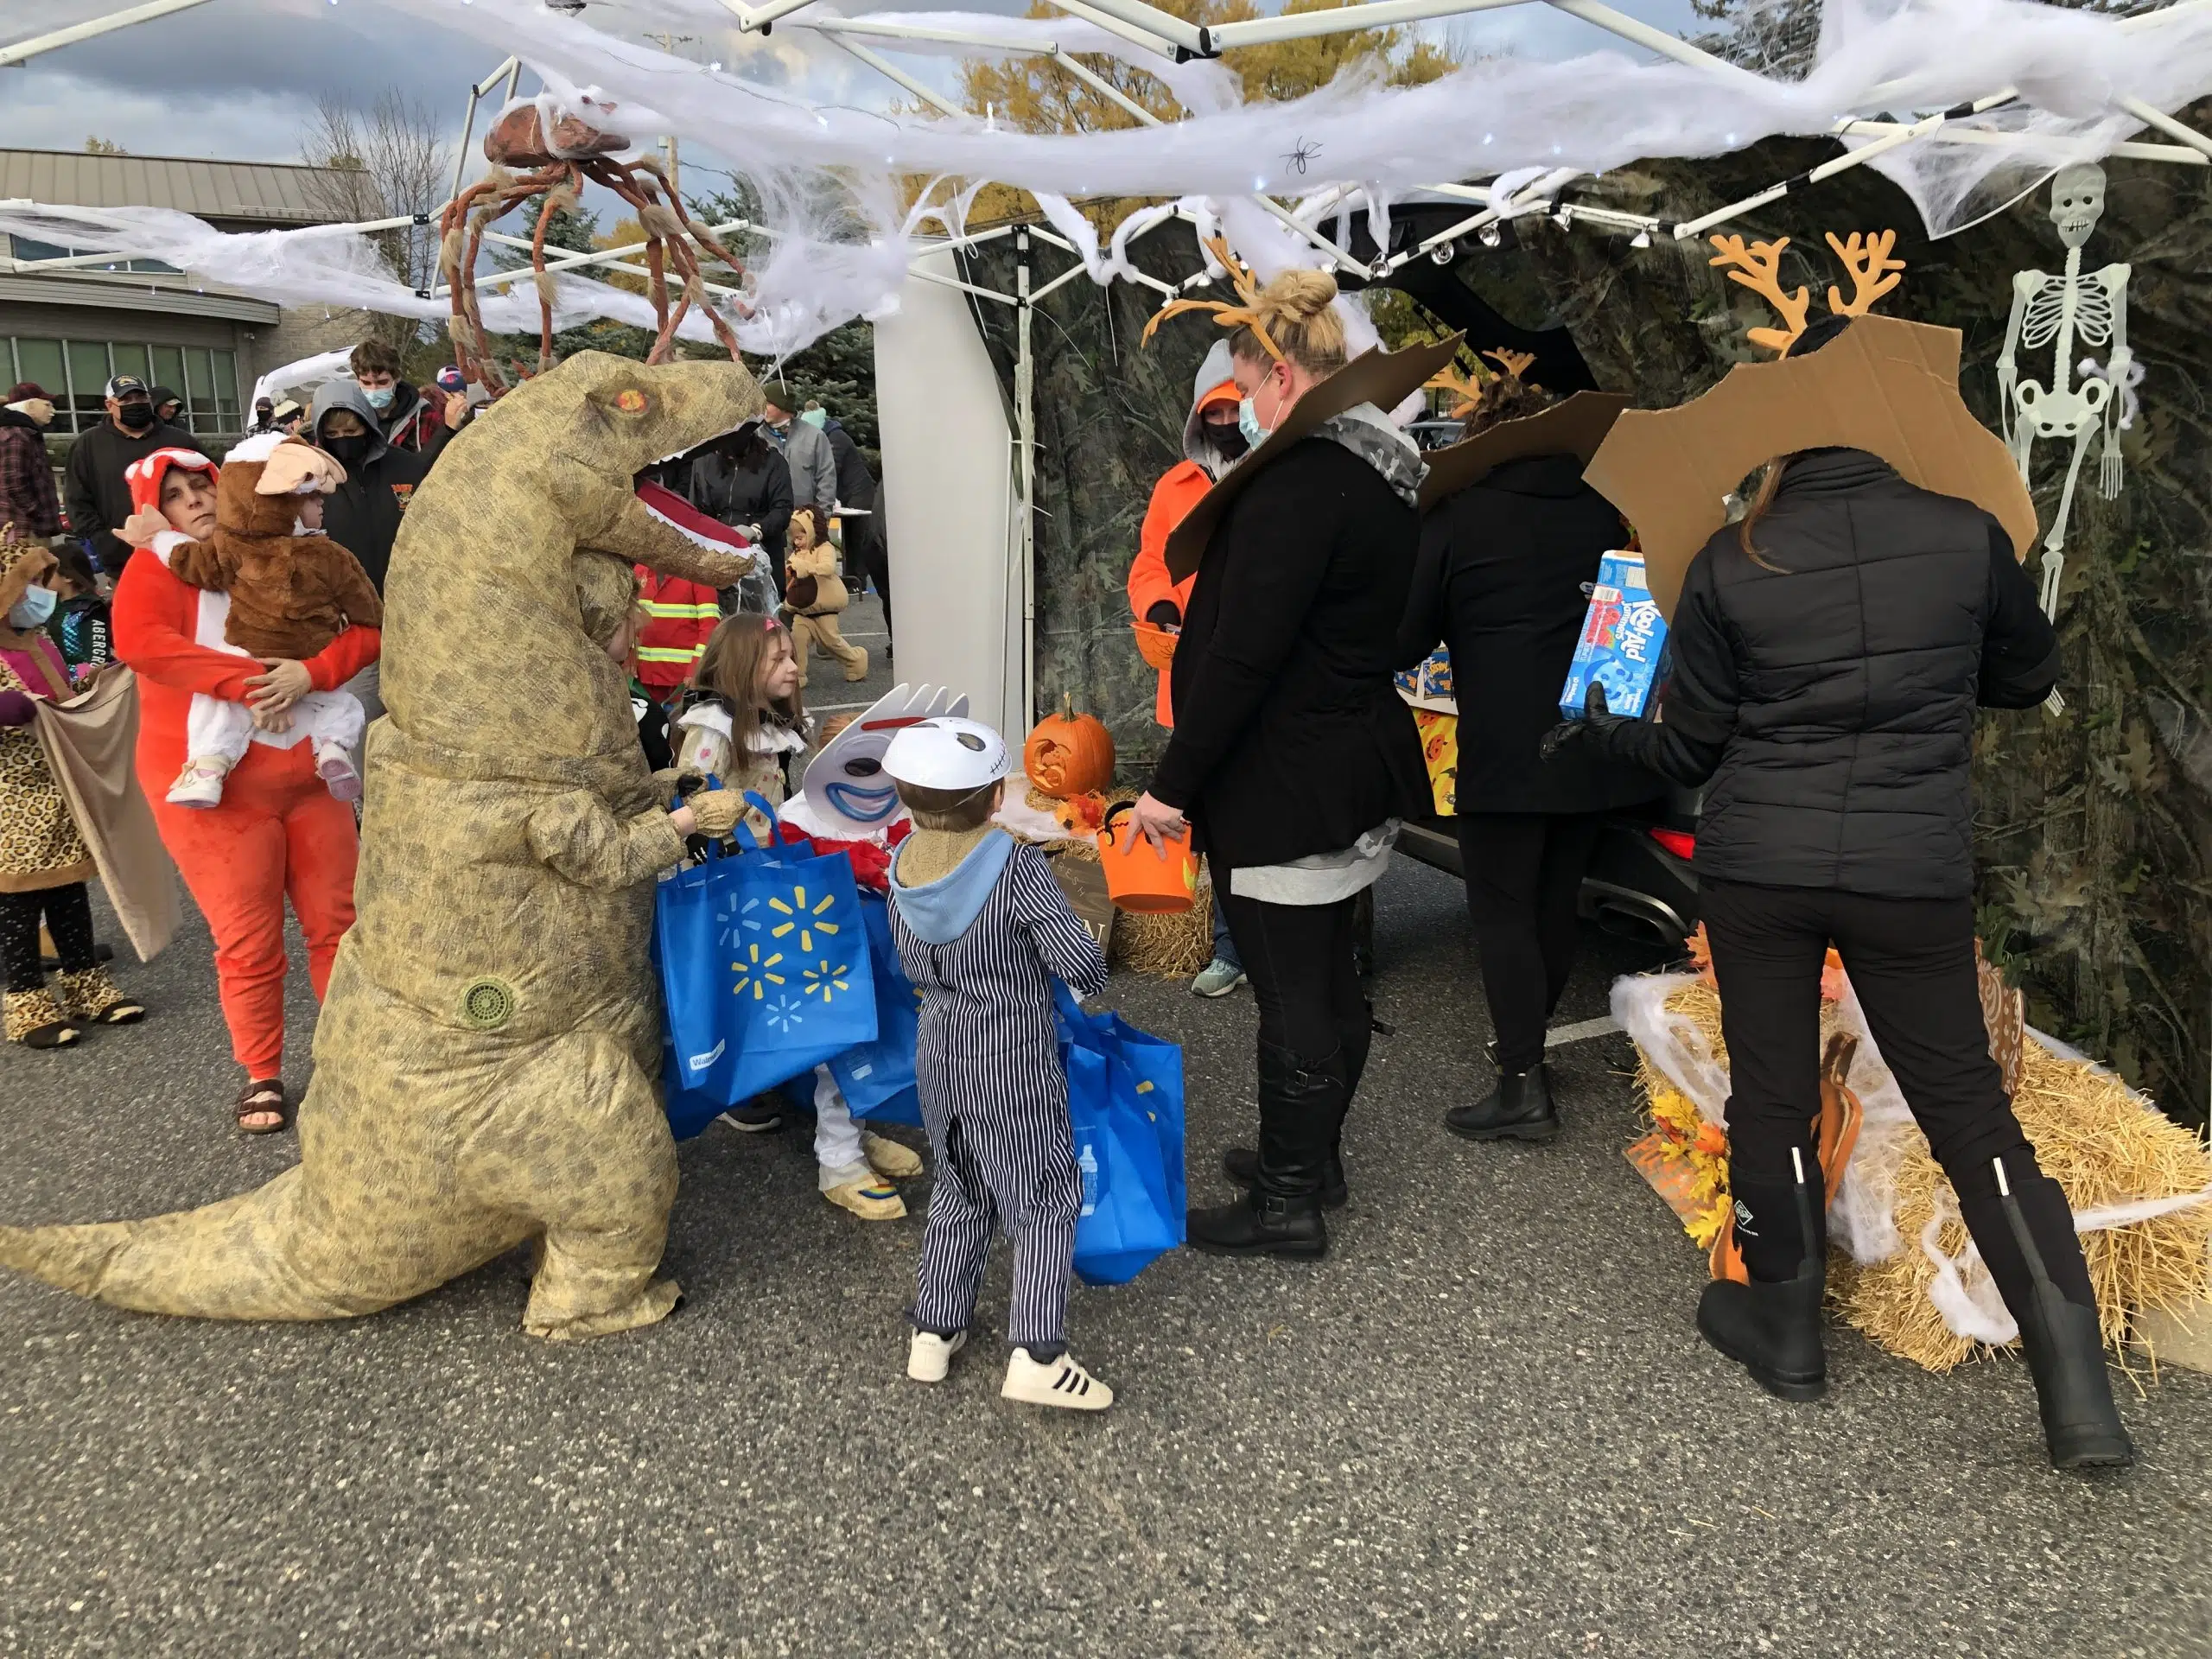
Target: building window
(24, 248)
(75, 373)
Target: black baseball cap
(127, 385)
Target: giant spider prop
(557, 162)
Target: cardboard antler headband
(1246, 316)
(1886, 386)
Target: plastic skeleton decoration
(1468, 388)
(845, 784)
(561, 150)
(1228, 315)
(2056, 312)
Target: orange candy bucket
(1152, 881)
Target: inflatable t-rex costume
(485, 1059)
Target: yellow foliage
(626, 233)
(1038, 95)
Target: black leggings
(1524, 873)
(68, 913)
(876, 560)
(1912, 963)
(1298, 959)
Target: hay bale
(2095, 1136)
(2103, 1145)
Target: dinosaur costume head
(494, 559)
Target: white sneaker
(1056, 1383)
(200, 784)
(929, 1355)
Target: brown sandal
(264, 1098)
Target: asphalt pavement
(1484, 1425)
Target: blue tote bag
(765, 972)
(1125, 1108)
(877, 1077)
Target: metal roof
(263, 193)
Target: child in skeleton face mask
(291, 590)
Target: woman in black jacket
(1292, 755)
(1829, 653)
(744, 481)
(1504, 580)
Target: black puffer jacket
(1504, 581)
(1830, 698)
(1290, 739)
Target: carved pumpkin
(1068, 753)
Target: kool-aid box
(1624, 639)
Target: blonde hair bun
(1297, 294)
(1297, 310)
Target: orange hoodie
(1178, 490)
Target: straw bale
(2102, 1143)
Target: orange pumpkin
(1068, 753)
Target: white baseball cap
(949, 754)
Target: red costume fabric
(278, 833)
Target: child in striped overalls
(982, 929)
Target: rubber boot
(1241, 1165)
(1773, 1330)
(1299, 1105)
(2065, 1352)
(1518, 1108)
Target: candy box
(1624, 640)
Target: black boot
(1299, 1107)
(1241, 1165)
(1518, 1108)
(2065, 1351)
(1773, 1329)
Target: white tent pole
(1114, 25)
(890, 72)
(750, 18)
(1025, 413)
(1377, 14)
(1153, 21)
(70, 36)
(2165, 124)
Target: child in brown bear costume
(291, 590)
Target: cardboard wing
(1886, 386)
(1575, 426)
(1383, 378)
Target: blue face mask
(1248, 423)
(380, 397)
(816, 417)
(32, 610)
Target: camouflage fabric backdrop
(2093, 828)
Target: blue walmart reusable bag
(1125, 1107)
(877, 1077)
(765, 972)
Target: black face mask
(1227, 438)
(136, 417)
(350, 452)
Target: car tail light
(1681, 842)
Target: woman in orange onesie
(278, 832)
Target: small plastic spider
(1300, 156)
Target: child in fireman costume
(1213, 443)
(292, 591)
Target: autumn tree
(1035, 94)
(379, 162)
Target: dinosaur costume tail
(245, 1258)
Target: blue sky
(238, 80)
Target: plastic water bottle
(1088, 1163)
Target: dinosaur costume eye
(487, 1004)
(631, 402)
